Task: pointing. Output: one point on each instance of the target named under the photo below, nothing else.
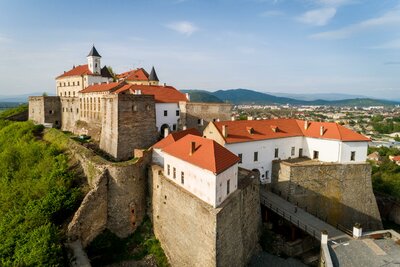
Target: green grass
(107, 248)
(12, 111)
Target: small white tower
(94, 61)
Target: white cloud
(389, 18)
(334, 3)
(318, 17)
(4, 39)
(394, 44)
(183, 27)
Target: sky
(287, 46)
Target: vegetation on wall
(37, 194)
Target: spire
(94, 53)
(153, 75)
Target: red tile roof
(77, 71)
(162, 94)
(280, 128)
(134, 75)
(104, 87)
(208, 154)
(173, 137)
(396, 158)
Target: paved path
(302, 219)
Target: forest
(38, 193)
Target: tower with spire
(94, 61)
(153, 79)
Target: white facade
(167, 114)
(158, 157)
(291, 147)
(94, 64)
(91, 80)
(203, 183)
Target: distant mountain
(202, 96)
(323, 96)
(22, 98)
(246, 96)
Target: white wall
(94, 79)
(361, 149)
(158, 157)
(201, 182)
(171, 117)
(266, 153)
(329, 150)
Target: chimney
(224, 131)
(192, 147)
(233, 118)
(321, 130)
(166, 132)
(188, 96)
(324, 237)
(249, 118)
(184, 127)
(108, 81)
(164, 84)
(357, 231)
(305, 125)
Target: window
(240, 155)
(200, 121)
(293, 151)
(255, 156)
(168, 170)
(51, 112)
(77, 83)
(276, 152)
(266, 174)
(182, 178)
(228, 186)
(353, 156)
(165, 113)
(300, 152)
(177, 113)
(316, 154)
(174, 127)
(174, 173)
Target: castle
(203, 178)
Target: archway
(162, 130)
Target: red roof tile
(134, 75)
(280, 128)
(77, 71)
(175, 136)
(162, 94)
(104, 87)
(396, 158)
(208, 154)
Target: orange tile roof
(396, 158)
(175, 136)
(280, 128)
(208, 154)
(77, 71)
(104, 87)
(134, 75)
(162, 94)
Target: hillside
(246, 96)
(202, 96)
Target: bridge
(299, 217)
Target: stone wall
(193, 233)
(198, 115)
(337, 193)
(45, 109)
(129, 122)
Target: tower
(153, 79)
(94, 61)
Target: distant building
(374, 156)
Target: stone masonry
(337, 193)
(193, 233)
(45, 109)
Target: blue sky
(290, 46)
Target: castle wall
(193, 233)
(129, 122)
(338, 193)
(69, 113)
(198, 115)
(45, 109)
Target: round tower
(94, 61)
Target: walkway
(302, 219)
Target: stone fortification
(193, 233)
(198, 115)
(129, 122)
(338, 193)
(45, 109)
(117, 196)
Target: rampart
(193, 233)
(45, 109)
(340, 194)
